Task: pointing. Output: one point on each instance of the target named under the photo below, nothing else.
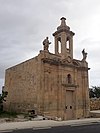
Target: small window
(70, 107)
(66, 106)
(69, 79)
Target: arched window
(69, 79)
(68, 44)
(59, 45)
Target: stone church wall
(22, 81)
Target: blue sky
(25, 23)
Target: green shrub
(4, 114)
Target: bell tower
(64, 40)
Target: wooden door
(69, 105)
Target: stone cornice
(60, 63)
(69, 85)
(63, 30)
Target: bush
(5, 114)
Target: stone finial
(46, 44)
(84, 55)
(63, 22)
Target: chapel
(51, 84)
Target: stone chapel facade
(54, 85)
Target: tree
(91, 93)
(94, 92)
(2, 98)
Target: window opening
(67, 44)
(70, 107)
(69, 79)
(59, 45)
(66, 106)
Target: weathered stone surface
(54, 85)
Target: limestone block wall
(95, 104)
(82, 94)
(22, 84)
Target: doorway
(69, 106)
